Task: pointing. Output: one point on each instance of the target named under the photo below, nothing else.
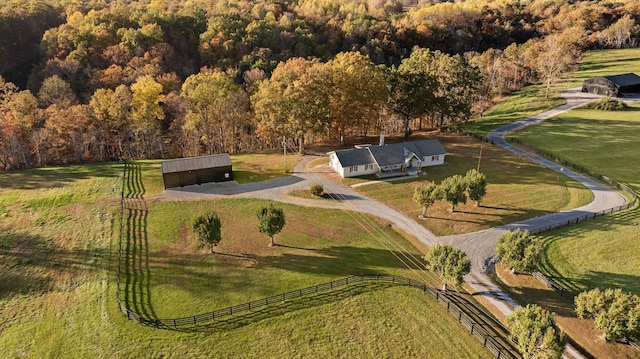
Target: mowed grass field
(601, 253)
(58, 245)
(603, 141)
(531, 100)
(517, 189)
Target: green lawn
(521, 104)
(530, 100)
(599, 253)
(517, 189)
(602, 253)
(58, 241)
(603, 141)
(603, 63)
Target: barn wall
(206, 175)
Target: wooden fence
(500, 350)
(568, 164)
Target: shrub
(608, 104)
(316, 189)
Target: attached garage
(196, 170)
(613, 86)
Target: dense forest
(94, 80)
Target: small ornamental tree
(207, 230)
(426, 196)
(449, 263)
(616, 313)
(271, 221)
(536, 333)
(454, 190)
(519, 251)
(476, 185)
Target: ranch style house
(390, 160)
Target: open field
(517, 189)
(521, 104)
(604, 63)
(58, 241)
(603, 141)
(530, 100)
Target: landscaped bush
(608, 104)
(316, 189)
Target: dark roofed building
(387, 160)
(613, 86)
(196, 170)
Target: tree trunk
(301, 145)
(548, 89)
(272, 243)
(424, 211)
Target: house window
(226, 175)
(353, 169)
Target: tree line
(167, 79)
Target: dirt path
(479, 246)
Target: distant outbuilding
(196, 170)
(613, 86)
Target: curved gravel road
(479, 246)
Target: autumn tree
(213, 98)
(454, 190)
(359, 93)
(146, 112)
(111, 109)
(294, 102)
(519, 251)
(271, 221)
(426, 195)
(207, 229)
(535, 332)
(554, 56)
(621, 33)
(55, 91)
(449, 263)
(18, 116)
(411, 94)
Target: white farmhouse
(387, 160)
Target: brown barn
(613, 86)
(196, 170)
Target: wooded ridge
(96, 80)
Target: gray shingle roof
(629, 79)
(388, 155)
(391, 154)
(354, 157)
(195, 163)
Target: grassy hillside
(58, 239)
(603, 141)
(530, 100)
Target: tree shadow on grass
(344, 260)
(34, 265)
(278, 309)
